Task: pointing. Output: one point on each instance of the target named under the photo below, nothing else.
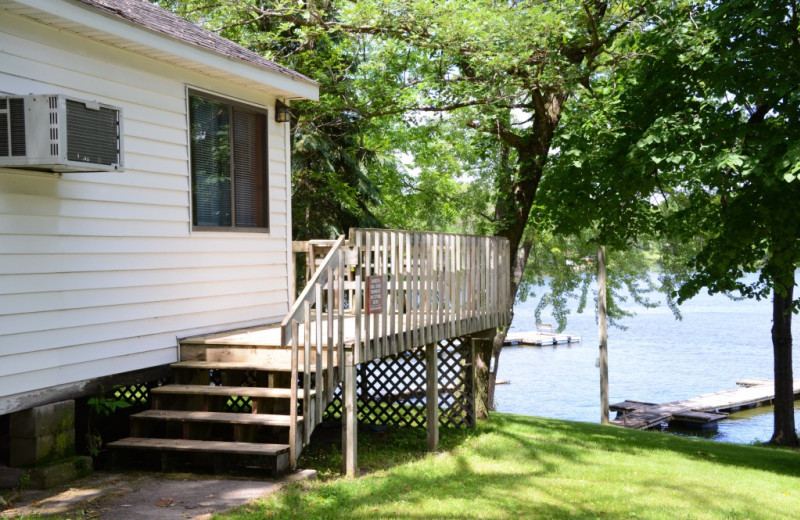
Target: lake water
(657, 359)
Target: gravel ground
(156, 496)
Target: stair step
(216, 417)
(241, 391)
(233, 365)
(245, 354)
(186, 445)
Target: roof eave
(118, 32)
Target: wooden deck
(377, 294)
(396, 329)
(705, 409)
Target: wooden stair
(260, 419)
(228, 408)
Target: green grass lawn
(526, 467)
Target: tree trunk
(602, 326)
(497, 346)
(784, 433)
(513, 206)
(483, 361)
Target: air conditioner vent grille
(5, 145)
(92, 134)
(57, 133)
(17, 114)
(53, 103)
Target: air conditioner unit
(60, 134)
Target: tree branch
(508, 136)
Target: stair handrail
(331, 269)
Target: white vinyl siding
(100, 273)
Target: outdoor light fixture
(281, 112)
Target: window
(229, 164)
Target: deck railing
(383, 292)
(322, 288)
(434, 286)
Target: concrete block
(31, 451)
(9, 477)
(47, 419)
(41, 433)
(61, 473)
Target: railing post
(367, 271)
(384, 271)
(318, 377)
(408, 273)
(334, 301)
(416, 291)
(294, 449)
(307, 420)
(432, 395)
(340, 320)
(391, 287)
(361, 337)
(349, 416)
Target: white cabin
(145, 232)
(101, 272)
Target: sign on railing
(376, 291)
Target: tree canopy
(561, 123)
(696, 141)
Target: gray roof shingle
(154, 18)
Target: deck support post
(350, 416)
(432, 395)
(472, 390)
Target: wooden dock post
(432, 395)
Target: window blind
(211, 162)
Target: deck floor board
(269, 335)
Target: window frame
(231, 103)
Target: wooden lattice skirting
(137, 395)
(391, 390)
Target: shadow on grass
(567, 440)
(523, 467)
(613, 439)
(458, 487)
(464, 493)
(378, 449)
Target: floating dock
(542, 336)
(703, 411)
